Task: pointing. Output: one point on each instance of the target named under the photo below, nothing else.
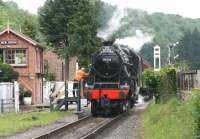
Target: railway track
(86, 128)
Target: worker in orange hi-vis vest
(80, 75)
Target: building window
(15, 57)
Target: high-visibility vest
(80, 74)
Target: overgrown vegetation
(163, 82)
(196, 110)
(12, 123)
(173, 119)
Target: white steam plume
(113, 24)
(137, 41)
(137, 38)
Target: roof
(24, 37)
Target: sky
(30, 5)
(186, 8)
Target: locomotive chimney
(108, 42)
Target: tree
(29, 28)
(189, 49)
(147, 52)
(7, 73)
(70, 27)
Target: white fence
(6, 90)
(53, 87)
(9, 97)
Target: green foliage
(30, 28)
(7, 73)
(189, 49)
(24, 93)
(171, 120)
(195, 99)
(147, 52)
(167, 85)
(104, 13)
(70, 27)
(49, 76)
(174, 119)
(18, 19)
(151, 78)
(27, 93)
(163, 82)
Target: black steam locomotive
(114, 79)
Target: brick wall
(30, 75)
(56, 65)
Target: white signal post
(157, 60)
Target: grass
(11, 123)
(171, 120)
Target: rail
(76, 128)
(94, 133)
(58, 130)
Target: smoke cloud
(113, 24)
(135, 38)
(137, 41)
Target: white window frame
(15, 49)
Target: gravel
(78, 132)
(130, 127)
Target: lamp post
(170, 47)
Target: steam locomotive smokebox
(106, 62)
(113, 61)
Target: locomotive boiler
(114, 79)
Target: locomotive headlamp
(122, 95)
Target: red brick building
(26, 56)
(57, 67)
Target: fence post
(16, 94)
(2, 106)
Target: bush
(195, 99)
(163, 82)
(7, 73)
(27, 93)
